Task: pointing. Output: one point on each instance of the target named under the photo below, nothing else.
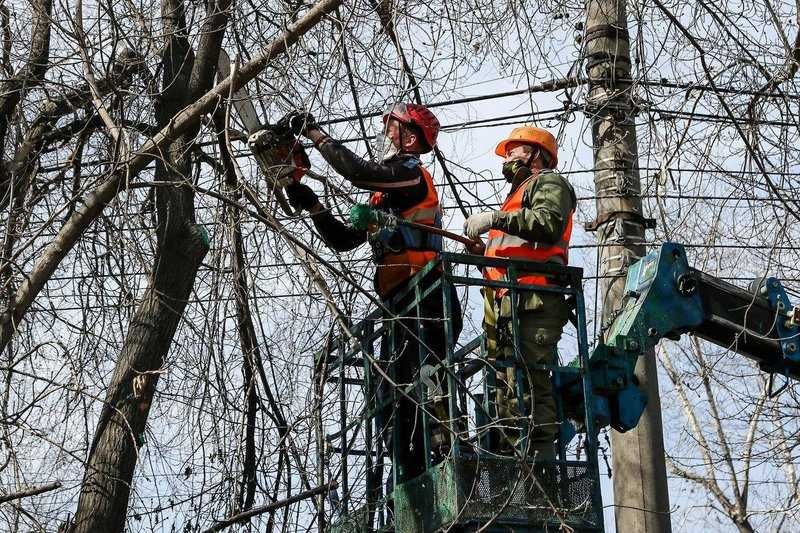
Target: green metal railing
(468, 487)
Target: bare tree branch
(30, 492)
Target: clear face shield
(384, 147)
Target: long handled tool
(363, 216)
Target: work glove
(297, 123)
(478, 224)
(477, 247)
(301, 196)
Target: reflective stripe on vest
(425, 212)
(419, 248)
(503, 245)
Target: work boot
(548, 491)
(440, 443)
(543, 451)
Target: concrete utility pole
(640, 481)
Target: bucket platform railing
(467, 483)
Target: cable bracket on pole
(598, 31)
(632, 216)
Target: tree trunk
(32, 74)
(106, 486)
(14, 181)
(181, 246)
(185, 120)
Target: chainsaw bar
(280, 156)
(241, 101)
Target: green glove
(362, 215)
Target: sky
(545, 53)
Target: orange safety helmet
(532, 136)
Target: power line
(707, 117)
(366, 260)
(559, 84)
(549, 86)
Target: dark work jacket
(399, 178)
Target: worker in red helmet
(403, 187)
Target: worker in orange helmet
(534, 223)
(403, 187)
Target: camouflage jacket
(547, 204)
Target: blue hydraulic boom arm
(665, 297)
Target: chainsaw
(280, 155)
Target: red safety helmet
(419, 116)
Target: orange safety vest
(501, 244)
(419, 248)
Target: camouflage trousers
(541, 319)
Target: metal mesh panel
(473, 492)
(428, 501)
